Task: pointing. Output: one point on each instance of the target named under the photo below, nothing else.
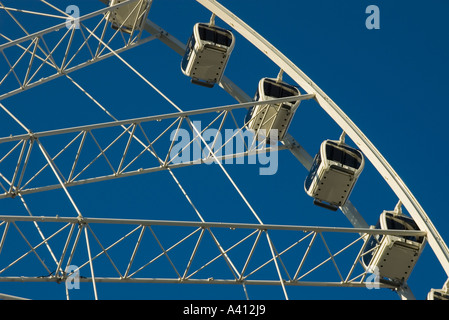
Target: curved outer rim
(376, 158)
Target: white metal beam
(174, 115)
(244, 277)
(27, 140)
(204, 225)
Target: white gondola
(261, 119)
(128, 17)
(393, 256)
(207, 54)
(333, 174)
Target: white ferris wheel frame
(313, 92)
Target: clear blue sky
(391, 82)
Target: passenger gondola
(207, 54)
(393, 256)
(128, 17)
(333, 174)
(261, 119)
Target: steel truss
(58, 51)
(237, 258)
(105, 151)
(124, 134)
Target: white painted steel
(313, 91)
(87, 225)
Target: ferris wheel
(129, 161)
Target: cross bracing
(117, 149)
(244, 259)
(48, 54)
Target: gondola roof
(343, 154)
(215, 34)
